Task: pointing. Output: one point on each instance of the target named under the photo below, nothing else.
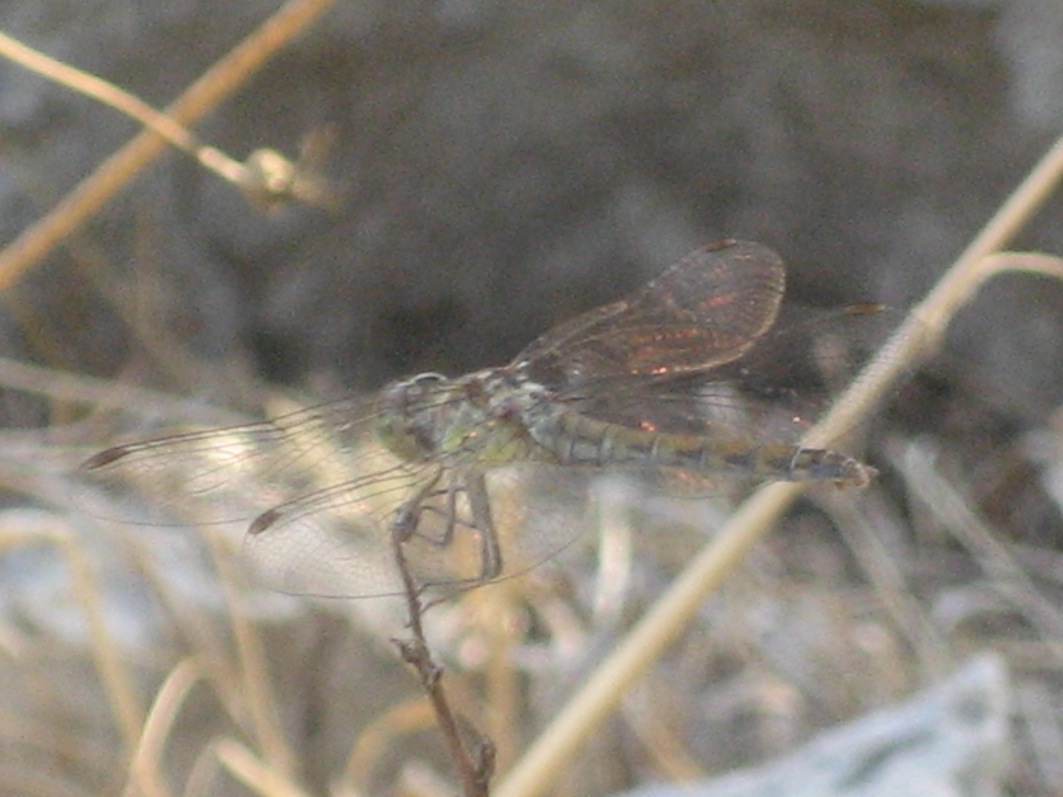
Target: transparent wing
(339, 541)
(317, 499)
(461, 524)
(234, 474)
(315, 486)
(323, 499)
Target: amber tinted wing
(775, 389)
(705, 310)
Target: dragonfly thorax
(482, 416)
(507, 393)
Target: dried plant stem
(921, 331)
(260, 699)
(97, 88)
(916, 337)
(474, 768)
(502, 678)
(267, 178)
(80, 389)
(117, 680)
(953, 510)
(378, 738)
(248, 769)
(146, 773)
(221, 80)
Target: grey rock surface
(951, 740)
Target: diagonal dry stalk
(216, 84)
(915, 340)
(267, 178)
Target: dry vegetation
(122, 675)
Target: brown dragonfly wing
(706, 309)
(772, 394)
(777, 388)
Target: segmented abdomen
(577, 439)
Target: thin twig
(267, 178)
(474, 770)
(217, 83)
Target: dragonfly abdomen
(577, 439)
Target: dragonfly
(635, 386)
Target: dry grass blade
(891, 587)
(106, 393)
(267, 177)
(954, 511)
(375, 742)
(254, 674)
(253, 772)
(117, 680)
(221, 80)
(915, 339)
(146, 768)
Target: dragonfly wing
(339, 542)
(234, 474)
(774, 391)
(705, 310)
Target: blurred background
(503, 167)
(500, 167)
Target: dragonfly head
(409, 417)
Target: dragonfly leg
(480, 506)
(481, 522)
(407, 517)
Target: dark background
(504, 167)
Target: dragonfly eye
(421, 385)
(410, 412)
(401, 396)
(427, 378)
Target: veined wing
(741, 421)
(776, 389)
(234, 474)
(705, 310)
(340, 541)
(317, 494)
